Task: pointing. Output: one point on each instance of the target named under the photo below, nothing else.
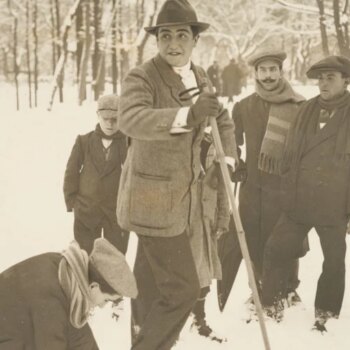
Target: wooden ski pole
(239, 228)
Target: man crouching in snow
(45, 301)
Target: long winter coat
(158, 192)
(90, 182)
(34, 311)
(317, 191)
(259, 197)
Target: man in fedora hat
(158, 194)
(261, 122)
(316, 190)
(45, 301)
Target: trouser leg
(115, 235)
(85, 235)
(331, 283)
(281, 250)
(174, 271)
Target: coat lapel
(329, 130)
(117, 149)
(171, 79)
(96, 152)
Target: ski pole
(239, 228)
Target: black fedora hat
(177, 12)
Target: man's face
(108, 121)
(331, 84)
(269, 74)
(99, 298)
(175, 44)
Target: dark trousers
(285, 244)
(86, 235)
(260, 210)
(168, 288)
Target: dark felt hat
(108, 102)
(114, 269)
(177, 12)
(331, 63)
(267, 54)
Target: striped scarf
(73, 278)
(284, 103)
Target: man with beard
(316, 191)
(262, 121)
(160, 182)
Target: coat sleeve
(137, 116)
(223, 208)
(72, 174)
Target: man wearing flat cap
(261, 122)
(45, 301)
(92, 176)
(158, 195)
(316, 190)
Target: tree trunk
(114, 62)
(35, 40)
(28, 54)
(59, 50)
(14, 51)
(79, 32)
(85, 54)
(343, 49)
(97, 55)
(53, 36)
(323, 28)
(60, 64)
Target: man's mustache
(268, 80)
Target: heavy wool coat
(91, 182)
(259, 197)
(158, 191)
(317, 189)
(34, 310)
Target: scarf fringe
(269, 164)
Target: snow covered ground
(34, 146)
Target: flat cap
(267, 54)
(108, 102)
(114, 269)
(331, 63)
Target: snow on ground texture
(34, 147)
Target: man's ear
(196, 39)
(94, 285)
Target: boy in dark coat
(316, 191)
(45, 301)
(92, 178)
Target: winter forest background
(58, 56)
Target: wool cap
(331, 63)
(177, 12)
(267, 54)
(114, 269)
(108, 102)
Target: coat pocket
(151, 201)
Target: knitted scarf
(306, 124)
(73, 278)
(282, 113)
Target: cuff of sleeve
(230, 161)
(180, 122)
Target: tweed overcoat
(158, 191)
(90, 182)
(34, 310)
(317, 189)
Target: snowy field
(34, 147)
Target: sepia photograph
(175, 174)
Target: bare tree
(29, 73)
(36, 59)
(323, 28)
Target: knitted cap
(177, 12)
(108, 102)
(331, 63)
(112, 266)
(267, 54)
